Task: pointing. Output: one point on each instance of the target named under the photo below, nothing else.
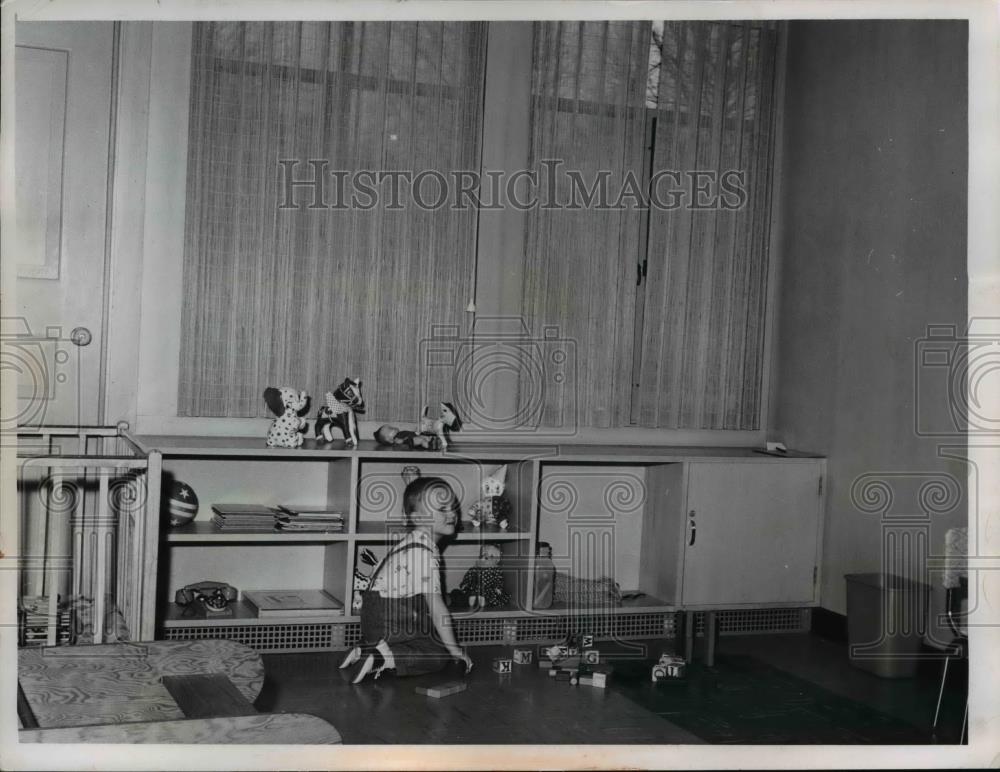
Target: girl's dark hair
(422, 486)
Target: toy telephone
(208, 598)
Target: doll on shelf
(482, 585)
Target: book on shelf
(292, 603)
(309, 519)
(244, 517)
(311, 510)
(243, 510)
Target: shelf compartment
(612, 521)
(269, 482)
(202, 531)
(380, 488)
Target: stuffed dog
(289, 405)
(447, 423)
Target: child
(405, 625)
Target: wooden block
(207, 696)
(597, 680)
(587, 641)
(443, 690)
(591, 656)
(522, 656)
(502, 665)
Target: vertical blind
(588, 94)
(709, 88)
(703, 333)
(306, 296)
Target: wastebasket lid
(887, 582)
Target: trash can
(886, 622)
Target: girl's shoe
(352, 656)
(371, 660)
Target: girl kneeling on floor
(405, 625)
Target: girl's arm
(441, 618)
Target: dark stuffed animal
(339, 412)
(482, 584)
(390, 435)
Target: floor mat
(745, 701)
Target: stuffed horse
(289, 405)
(339, 411)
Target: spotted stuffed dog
(289, 405)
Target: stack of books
(309, 519)
(292, 603)
(244, 517)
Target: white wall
(874, 251)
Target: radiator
(84, 547)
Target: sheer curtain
(306, 296)
(703, 332)
(588, 94)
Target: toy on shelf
(446, 423)
(494, 506)
(668, 666)
(206, 599)
(482, 585)
(545, 576)
(289, 405)
(394, 437)
(362, 577)
(339, 411)
(591, 656)
(182, 504)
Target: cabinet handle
(694, 530)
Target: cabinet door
(755, 533)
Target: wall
(873, 241)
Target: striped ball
(182, 504)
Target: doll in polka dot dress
(482, 585)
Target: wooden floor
(529, 707)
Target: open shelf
(243, 614)
(207, 531)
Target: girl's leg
(418, 656)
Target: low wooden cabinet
(675, 528)
(751, 534)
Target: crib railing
(88, 501)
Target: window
(302, 296)
(664, 295)
(658, 273)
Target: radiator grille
(491, 631)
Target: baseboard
(829, 624)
